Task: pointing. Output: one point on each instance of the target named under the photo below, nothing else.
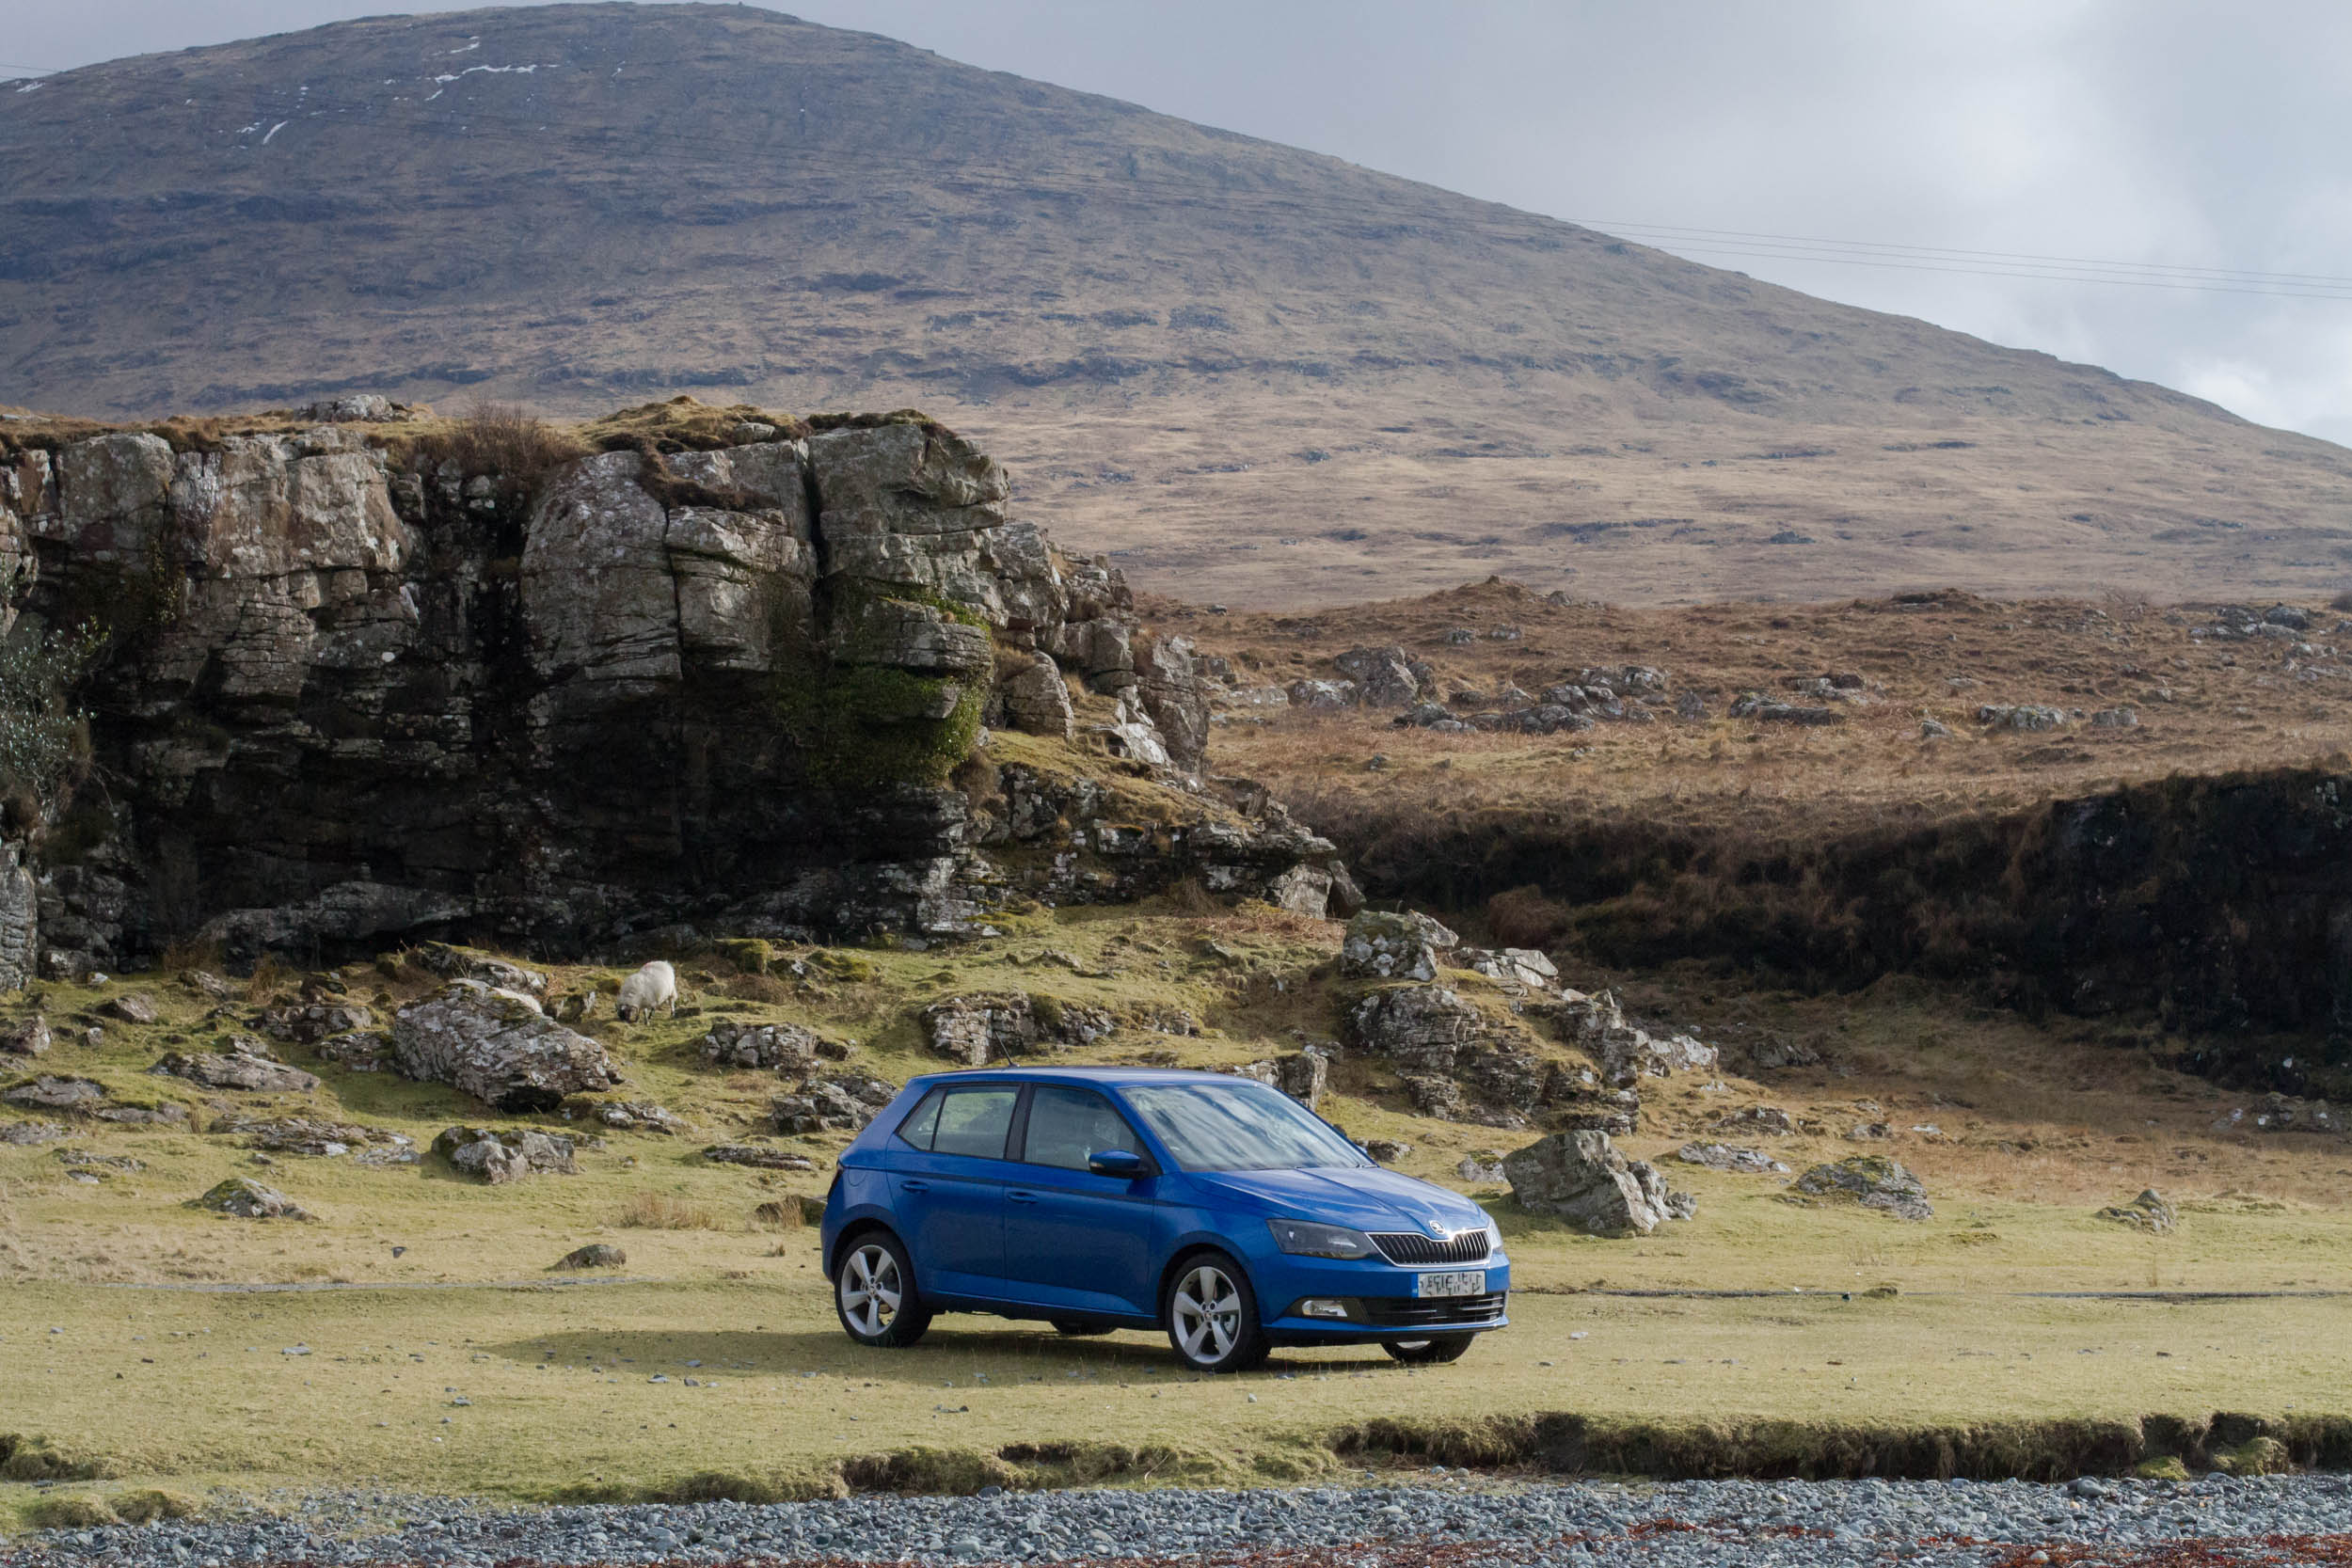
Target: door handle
(1022, 1198)
(912, 1185)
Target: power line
(32, 70)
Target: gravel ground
(1449, 1521)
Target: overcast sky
(2164, 134)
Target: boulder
(25, 1135)
(499, 1156)
(836, 1103)
(1485, 1172)
(312, 1136)
(1302, 890)
(1303, 1077)
(307, 1023)
(596, 1254)
(1520, 968)
(1769, 1121)
(637, 1115)
(1390, 945)
(1384, 678)
(1322, 696)
(459, 963)
(26, 1037)
(2149, 1212)
(759, 1157)
(1582, 1178)
(1036, 698)
(132, 1007)
(1872, 1181)
(986, 1026)
(56, 1092)
(1764, 711)
(1747, 1162)
(785, 1047)
(2020, 717)
(250, 1070)
(1421, 1029)
(249, 1199)
(497, 1046)
(368, 1050)
(1387, 1151)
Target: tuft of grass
(78, 1510)
(150, 1503)
(664, 1212)
(272, 978)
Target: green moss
(153, 1503)
(2169, 1467)
(748, 953)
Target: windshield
(1238, 1126)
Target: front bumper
(1377, 1299)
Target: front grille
(1412, 1312)
(1404, 1247)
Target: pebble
(1763, 1524)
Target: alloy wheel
(1206, 1312)
(872, 1290)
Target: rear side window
(974, 1122)
(1068, 1127)
(918, 1127)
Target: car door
(1073, 1239)
(948, 1188)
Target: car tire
(1432, 1352)
(1212, 1316)
(1079, 1330)
(874, 1293)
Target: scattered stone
(1474, 1169)
(759, 1157)
(499, 1157)
(836, 1103)
(1872, 1181)
(247, 1066)
(1322, 696)
(984, 1027)
(785, 1047)
(368, 1050)
(1421, 1029)
(579, 1007)
(56, 1092)
(2025, 717)
(1582, 1178)
(132, 1007)
(1384, 945)
(497, 1046)
(1769, 1121)
(307, 1023)
(1774, 1052)
(1588, 1108)
(1764, 710)
(596, 1254)
(310, 1135)
(25, 1135)
(636, 1116)
(1303, 1076)
(2115, 718)
(207, 984)
(249, 1199)
(26, 1037)
(1867, 1131)
(84, 1159)
(1934, 729)
(1386, 1151)
(2149, 1212)
(1746, 1162)
(1522, 968)
(1384, 678)
(459, 963)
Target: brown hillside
(1260, 375)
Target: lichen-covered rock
(985, 1026)
(1421, 1029)
(497, 1046)
(249, 1199)
(1748, 1161)
(1386, 1151)
(247, 1070)
(56, 1092)
(307, 1023)
(1385, 946)
(1384, 678)
(20, 920)
(456, 963)
(2149, 1212)
(596, 1254)
(759, 1157)
(132, 1007)
(1582, 1178)
(1303, 1076)
(784, 1047)
(1036, 699)
(1872, 1181)
(499, 1157)
(1768, 1120)
(836, 1102)
(1627, 1053)
(637, 1116)
(26, 1135)
(1516, 968)
(312, 1136)
(26, 1036)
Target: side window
(922, 1120)
(1068, 1127)
(975, 1121)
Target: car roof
(1102, 1077)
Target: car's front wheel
(1213, 1316)
(873, 1290)
(1428, 1353)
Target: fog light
(1323, 1307)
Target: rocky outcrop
(1871, 1181)
(1385, 946)
(249, 1199)
(2149, 1212)
(499, 1047)
(983, 1027)
(1627, 1053)
(499, 1157)
(1582, 1178)
(784, 1047)
(248, 1068)
(26, 1037)
(834, 1103)
(358, 700)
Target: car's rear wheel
(873, 1290)
(1079, 1330)
(1428, 1353)
(1213, 1316)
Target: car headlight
(1306, 1239)
(1494, 1235)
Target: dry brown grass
(666, 1211)
(272, 979)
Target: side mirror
(1120, 1162)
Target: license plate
(1471, 1282)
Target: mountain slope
(1263, 373)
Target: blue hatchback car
(1095, 1198)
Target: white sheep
(654, 986)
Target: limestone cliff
(357, 695)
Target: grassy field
(413, 1289)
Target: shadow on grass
(1007, 1354)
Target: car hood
(1364, 1199)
